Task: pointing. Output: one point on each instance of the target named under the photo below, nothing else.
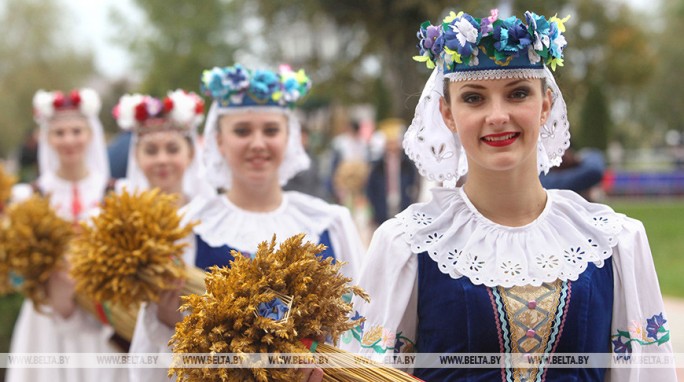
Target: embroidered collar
(223, 223)
(567, 235)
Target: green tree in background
(177, 40)
(665, 106)
(34, 54)
(595, 119)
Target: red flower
(58, 102)
(199, 107)
(75, 97)
(168, 104)
(141, 112)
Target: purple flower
(462, 35)
(431, 40)
(237, 78)
(623, 348)
(486, 23)
(511, 36)
(654, 324)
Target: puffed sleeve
(389, 275)
(639, 326)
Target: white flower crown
(46, 104)
(185, 110)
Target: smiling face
(253, 144)
(69, 135)
(497, 121)
(163, 156)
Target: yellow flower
(452, 16)
(560, 22)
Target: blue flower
(213, 83)
(558, 41)
(274, 309)
(358, 316)
(511, 36)
(654, 324)
(462, 35)
(264, 84)
(237, 78)
(539, 28)
(623, 348)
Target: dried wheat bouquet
(132, 250)
(35, 243)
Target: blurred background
(623, 81)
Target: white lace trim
(438, 153)
(569, 234)
(494, 74)
(223, 223)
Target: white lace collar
(568, 234)
(223, 223)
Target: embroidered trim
(378, 338)
(498, 327)
(505, 336)
(654, 334)
(569, 234)
(531, 328)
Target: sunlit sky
(92, 28)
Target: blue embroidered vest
(456, 316)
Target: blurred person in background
(581, 172)
(393, 180)
(74, 171)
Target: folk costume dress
(223, 226)
(81, 332)
(579, 279)
(444, 279)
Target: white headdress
(478, 49)
(47, 105)
(239, 90)
(181, 111)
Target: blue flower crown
(463, 43)
(236, 86)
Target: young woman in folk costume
(502, 265)
(252, 148)
(164, 152)
(74, 171)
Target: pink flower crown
(46, 104)
(179, 109)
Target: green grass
(9, 309)
(664, 222)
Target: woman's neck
(73, 173)
(256, 199)
(511, 198)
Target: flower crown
(46, 104)
(507, 43)
(236, 86)
(138, 112)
